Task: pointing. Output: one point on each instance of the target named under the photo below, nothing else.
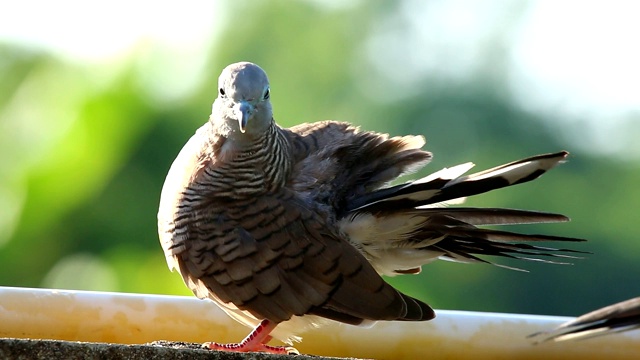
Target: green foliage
(83, 160)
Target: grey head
(242, 108)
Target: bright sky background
(103, 30)
(581, 59)
(585, 50)
(575, 61)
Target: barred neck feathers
(248, 167)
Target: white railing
(137, 319)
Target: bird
(287, 229)
(618, 317)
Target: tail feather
(467, 258)
(500, 236)
(467, 244)
(494, 216)
(447, 184)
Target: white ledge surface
(136, 319)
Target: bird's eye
(267, 94)
(222, 93)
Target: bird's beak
(243, 112)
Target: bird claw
(255, 342)
(247, 347)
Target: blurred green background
(91, 118)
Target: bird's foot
(252, 347)
(255, 342)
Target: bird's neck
(248, 166)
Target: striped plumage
(292, 226)
(619, 317)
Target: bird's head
(242, 107)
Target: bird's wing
(405, 226)
(340, 164)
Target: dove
(288, 229)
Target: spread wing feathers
(372, 160)
(340, 164)
(619, 317)
(448, 184)
(399, 230)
